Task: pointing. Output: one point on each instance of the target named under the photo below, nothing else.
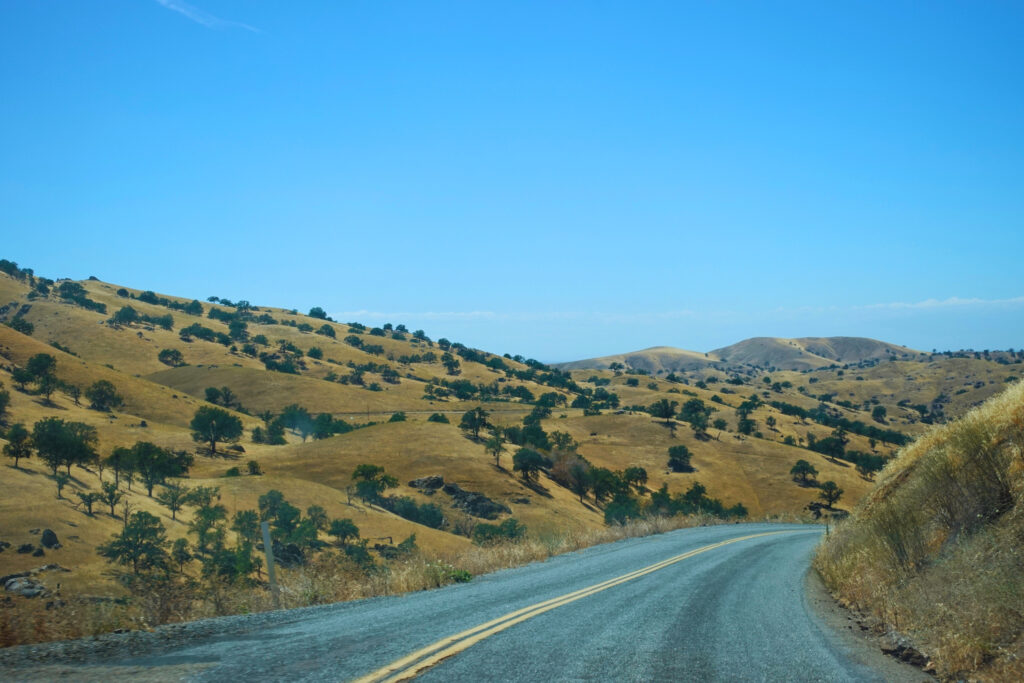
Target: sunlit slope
(142, 399)
(759, 352)
(655, 359)
(414, 449)
(934, 549)
(809, 352)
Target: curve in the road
(417, 662)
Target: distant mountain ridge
(803, 353)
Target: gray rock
(25, 587)
(49, 539)
(473, 503)
(434, 481)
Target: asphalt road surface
(722, 603)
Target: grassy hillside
(769, 353)
(935, 549)
(342, 395)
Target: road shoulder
(857, 638)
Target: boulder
(25, 587)
(473, 503)
(49, 539)
(431, 483)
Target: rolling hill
(345, 395)
(766, 353)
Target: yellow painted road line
(415, 663)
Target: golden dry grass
(935, 551)
(753, 471)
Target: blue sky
(560, 180)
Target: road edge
(855, 636)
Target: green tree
(88, 498)
(121, 461)
(61, 479)
(103, 396)
(141, 545)
(173, 497)
(830, 493)
(208, 526)
(878, 414)
(473, 421)
(803, 472)
(438, 417)
(41, 365)
(269, 503)
(154, 464)
(696, 414)
(61, 443)
(171, 357)
(372, 481)
(5, 402)
(636, 477)
(679, 459)
(496, 446)
(318, 516)
(579, 479)
(180, 553)
(213, 425)
(528, 463)
(343, 530)
(19, 324)
(21, 377)
(606, 484)
(111, 496)
(246, 523)
(19, 443)
(665, 410)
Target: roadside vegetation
(214, 576)
(936, 550)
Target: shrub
(490, 534)
(19, 324)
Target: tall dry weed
(937, 549)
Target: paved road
(712, 603)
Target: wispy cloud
(205, 18)
(637, 317)
(952, 302)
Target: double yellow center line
(417, 662)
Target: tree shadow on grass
(537, 488)
(23, 470)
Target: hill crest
(802, 353)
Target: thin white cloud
(638, 317)
(946, 303)
(200, 17)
